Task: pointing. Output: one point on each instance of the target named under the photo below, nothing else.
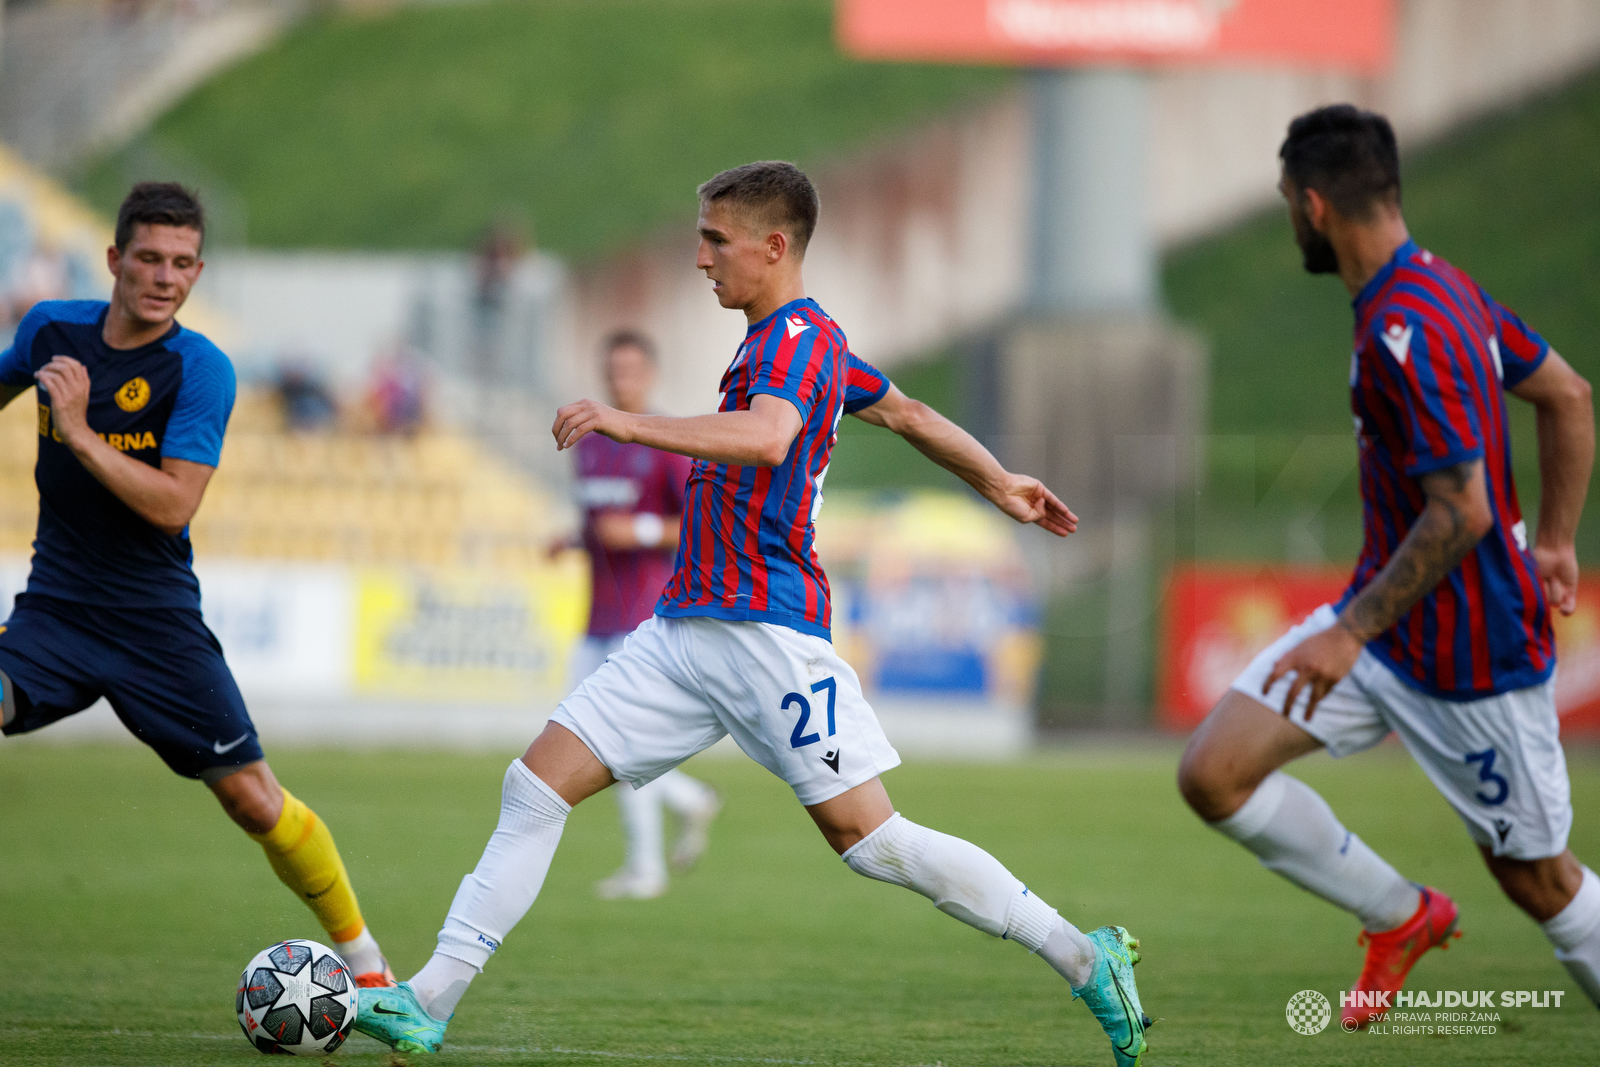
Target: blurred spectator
(498, 251)
(33, 269)
(397, 396)
(43, 277)
(308, 404)
(494, 261)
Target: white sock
(1070, 953)
(1294, 832)
(500, 890)
(683, 794)
(441, 984)
(361, 953)
(967, 883)
(1575, 932)
(642, 829)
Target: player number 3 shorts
(680, 685)
(1498, 760)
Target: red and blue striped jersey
(745, 548)
(1434, 355)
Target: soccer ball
(296, 997)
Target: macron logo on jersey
(1397, 338)
(797, 326)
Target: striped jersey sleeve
(865, 384)
(1427, 380)
(1518, 350)
(786, 363)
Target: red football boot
(1392, 954)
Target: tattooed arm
(1454, 520)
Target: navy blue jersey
(171, 397)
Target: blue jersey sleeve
(864, 386)
(1427, 382)
(1518, 350)
(16, 363)
(205, 400)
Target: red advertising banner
(1219, 617)
(1345, 34)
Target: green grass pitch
(128, 905)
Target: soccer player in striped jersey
(1443, 636)
(739, 643)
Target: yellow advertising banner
(464, 635)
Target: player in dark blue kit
(132, 410)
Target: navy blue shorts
(161, 670)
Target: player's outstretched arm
(758, 437)
(957, 451)
(166, 497)
(622, 532)
(1565, 413)
(1454, 519)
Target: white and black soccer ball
(297, 997)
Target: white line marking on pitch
(502, 1050)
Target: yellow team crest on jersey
(134, 394)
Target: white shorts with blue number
(678, 686)
(1498, 761)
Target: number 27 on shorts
(798, 738)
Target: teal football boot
(1111, 994)
(393, 1016)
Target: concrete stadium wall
(927, 238)
(79, 78)
(1216, 132)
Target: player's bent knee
(1540, 887)
(1205, 785)
(249, 794)
(854, 815)
(1233, 750)
(561, 760)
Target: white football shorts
(1498, 761)
(588, 654)
(679, 686)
